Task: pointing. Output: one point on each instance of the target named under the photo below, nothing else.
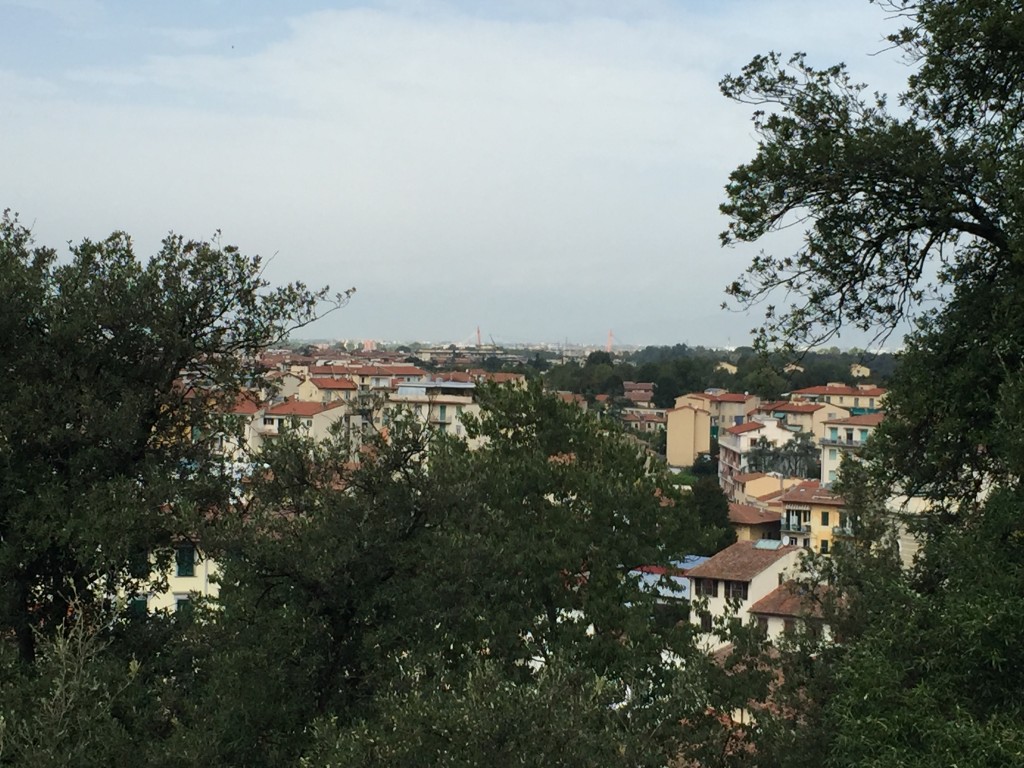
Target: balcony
(842, 442)
(795, 526)
(842, 530)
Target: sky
(543, 170)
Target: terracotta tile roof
(741, 561)
(317, 371)
(245, 404)
(748, 514)
(811, 492)
(505, 377)
(748, 426)
(864, 420)
(300, 408)
(791, 599)
(334, 383)
(461, 376)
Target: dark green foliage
(712, 508)
(110, 364)
(926, 670)
(384, 602)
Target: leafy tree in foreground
(110, 367)
(923, 674)
(436, 605)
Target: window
(824, 547)
(762, 626)
(138, 607)
(182, 605)
(833, 454)
(805, 516)
(185, 560)
(736, 590)
(863, 435)
(824, 518)
(788, 627)
(707, 587)
(833, 433)
(705, 621)
(268, 422)
(831, 475)
(807, 543)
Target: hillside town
(777, 462)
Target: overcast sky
(546, 170)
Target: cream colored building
(191, 576)
(327, 389)
(736, 578)
(842, 437)
(789, 609)
(441, 404)
(803, 416)
(864, 398)
(753, 523)
(735, 444)
(727, 409)
(753, 487)
(688, 435)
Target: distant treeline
(679, 369)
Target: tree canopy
(113, 368)
(922, 673)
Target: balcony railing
(795, 526)
(840, 442)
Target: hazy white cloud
(544, 173)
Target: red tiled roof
(748, 514)
(741, 561)
(791, 600)
(811, 492)
(245, 405)
(748, 426)
(504, 377)
(300, 408)
(334, 383)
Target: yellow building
(752, 487)
(688, 435)
(812, 517)
(191, 575)
(864, 398)
(753, 523)
(727, 409)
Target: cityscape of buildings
(776, 459)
